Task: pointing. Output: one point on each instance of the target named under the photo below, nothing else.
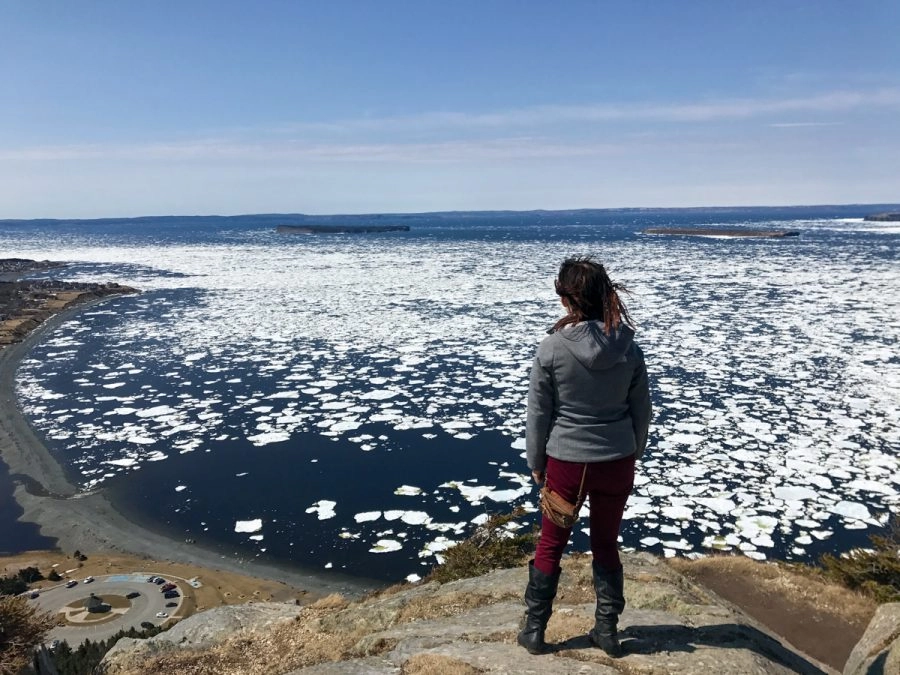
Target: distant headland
(27, 303)
(339, 229)
(890, 217)
(719, 232)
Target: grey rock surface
(198, 632)
(670, 625)
(878, 651)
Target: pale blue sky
(125, 108)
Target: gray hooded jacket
(589, 398)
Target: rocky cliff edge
(671, 625)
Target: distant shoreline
(275, 219)
(88, 521)
(339, 229)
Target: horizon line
(461, 211)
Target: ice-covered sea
(356, 403)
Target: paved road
(143, 608)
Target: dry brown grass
(281, 647)
(331, 629)
(333, 601)
(799, 584)
(436, 664)
(449, 604)
(564, 624)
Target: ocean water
(356, 402)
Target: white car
(87, 580)
(161, 615)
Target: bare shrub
(492, 546)
(22, 629)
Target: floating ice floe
(367, 516)
(254, 525)
(852, 510)
(794, 492)
(268, 437)
(378, 395)
(125, 461)
(386, 546)
(157, 411)
(324, 508)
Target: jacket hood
(593, 348)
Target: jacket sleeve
(540, 410)
(639, 404)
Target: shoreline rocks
(26, 304)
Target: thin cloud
(550, 115)
(453, 136)
(294, 151)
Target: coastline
(88, 521)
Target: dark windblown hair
(590, 294)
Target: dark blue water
(494, 225)
(200, 494)
(16, 536)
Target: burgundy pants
(607, 485)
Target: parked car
(171, 594)
(147, 624)
(171, 604)
(151, 580)
(161, 615)
(35, 594)
(71, 582)
(159, 580)
(87, 580)
(133, 595)
(168, 587)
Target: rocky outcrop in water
(884, 217)
(719, 232)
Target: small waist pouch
(559, 510)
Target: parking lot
(128, 600)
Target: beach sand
(88, 522)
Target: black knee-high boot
(539, 594)
(609, 587)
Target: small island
(339, 229)
(719, 232)
(890, 217)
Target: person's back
(595, 415)
(587, 422)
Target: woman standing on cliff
(587, 423)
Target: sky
(128, 108)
